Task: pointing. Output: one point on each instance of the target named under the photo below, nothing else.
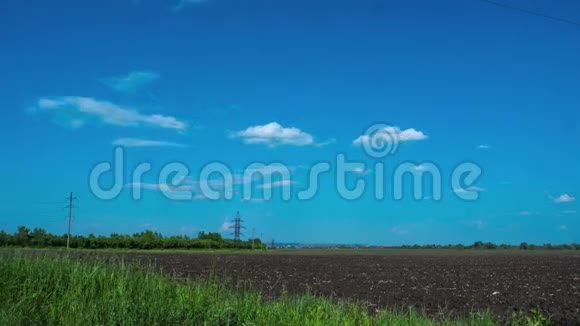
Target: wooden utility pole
(70, 207)
(253, 237)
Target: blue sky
(295, 82)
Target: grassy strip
(57, 290)
(301, 251)
(140, 251)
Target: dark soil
(457, 283)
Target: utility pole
(237, 227)
(273, 244)
(70, 216)
(253, 237)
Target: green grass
(142, 251)
(308, 251)
(37, 289)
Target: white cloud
(563, 227)
(275, 184)
(76, 112)
(185, 3)
(204, 197)
(132, 81)
(252, 175)
(390, 134)
(411, 134)
(267, 170)
(327, 142)
(469, 189)
(273, 134)
(254, 200)
(361, 170)
(484, 146)
(529, 213)
(565, 198)
(478, 223)
(419, 168)
(161, 187)
(217, 184)
(399, 230)
(138, 142)
(226, 225)
(569, 211)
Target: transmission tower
(237, 227)
(70, 207)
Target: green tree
(477, 245)
(22, 236)
(5, 238)
(210, 236)
(38, 237)
(524, 246)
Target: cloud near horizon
(226, 225)
(77, 111)
(400, 230)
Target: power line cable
(531, 12)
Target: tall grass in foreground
(57, 290)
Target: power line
(32, 203)
(531, 12)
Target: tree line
(492, 246)
(39, 238)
